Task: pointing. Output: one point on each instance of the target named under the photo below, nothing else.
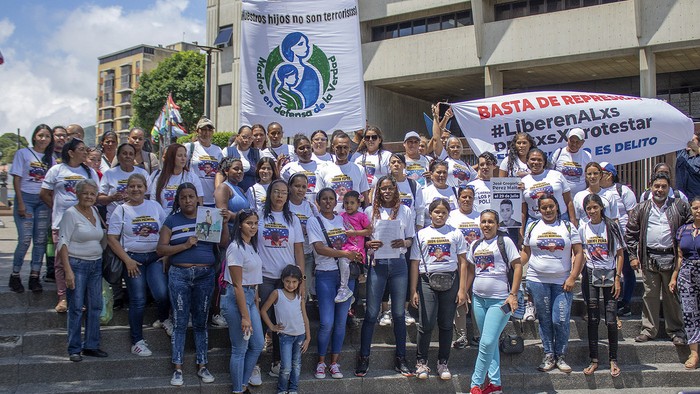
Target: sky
(51, 48)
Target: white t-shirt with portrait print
(29, 167)
(572, 166)
(114, 181)
(204, 163)
(610, 201)
(432, 193)
(550, 247)
(549, 181)
(138, 226)
(459, 173)
(416, 168)
(336, 233)
(595, 246)
(404, 216)
(309, 169)
(167, 195)
(490, 268)
(62, 180)
(438, 249)
(375, 166)
(467, 224)
(342, 179)
(276, 240)
(305, 212)
(482, 194)
(519, 166)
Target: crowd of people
(312, 220)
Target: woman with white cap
(571, 160)
(203, 159)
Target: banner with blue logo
(301, 65)
(618, 129)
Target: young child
(357, 227)
(292, 327)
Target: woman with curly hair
(515, 163)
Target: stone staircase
(33, 359)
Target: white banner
(619, 129)
(301, 65)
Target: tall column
(493, 82)
(647, 73)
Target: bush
(219, 139)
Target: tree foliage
(8, 146)
(182, 74)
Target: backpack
(414, 186)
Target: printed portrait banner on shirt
(506, 200)
(301, 65)
(619, 129)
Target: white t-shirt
(550, 246)
(342, 179)
(482, 194)
(374, 165)
(404, 216)
(416, 168)
(417, 204)
(243, 154)
(625, 203)
(432, 193)
(439, 248)
(167, 195)
(204, 163)
(309, 169)
(81, 238)
(459, 173)
(276, 239)
(609, 204)
(467, 224)
(490, 268)
(327, 157)
(257, 195)
(304, 212)
(62, 179)
(114, 181)
(283, 149)
(572, 166)
(27, 165)
(336, 232)
(138, 226)
(520, 166)
(246, 258)
(106, 165)
(549, 181)
(595, 246)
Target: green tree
(8, 146)
(182, 74)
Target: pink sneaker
(320, 371)
(335, 371)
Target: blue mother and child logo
(297, 78)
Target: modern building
(118, 77)
(418, 52)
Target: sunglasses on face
(371, 137)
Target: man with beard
(650, 238)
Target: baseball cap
(578, 132)
(411, 134)
(204, 122)
(608, 167)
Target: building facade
(418, 52)
(118, 77)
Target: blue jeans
(190, 292)
(491, 321)
(152, 273)
(290, 363)
(394, 273)
(333, 316)
(553, 306)
(34, 226)
(244, 354)
(88, 292)
(264, 290)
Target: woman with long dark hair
(304, 164)
(164, 184)
(515, 164)
(108, 146)
(372, 156)
(265, 173)
(31, 214)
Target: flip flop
(691, 363)
(614, 369)
(592, 367)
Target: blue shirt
(182, 228)
(689, 245)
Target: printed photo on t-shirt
(571, 169)
(311, 181)
(70, 182)
(415, 171)
(208, 165)
(460, 173)
(439, 249)
(470, 231)
(37, 171)
(143, 226)
(370, 171)
(484, 260)
(341, 184)
(550, 241)
(406, 199)
(338, 238)
(597, 248)
(540, 189)
(121, 185)
(275, 235)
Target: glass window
(223, 39)
(518, 9)
(405, 29)
(464, 19)
(419, 26)
(378, 33)
(502, 12)
(448, 21)
(537, 7)
(588, 3)
(434, 23)
(572, 4)
(392, 31)
(224, 95)
(555, 5)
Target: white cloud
(57, 84)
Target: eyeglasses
(280, 193)
(373, 137)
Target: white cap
(578, 132)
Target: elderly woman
(108, 146)
(79, 245)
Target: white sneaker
(168, 326)
(205, 375)
(275, 370)
(409, 319)
(220, 321)
(157, 324)
(529, 312)
(255, 378)
(344, 294)
(141, 349)
(386, 319)
(177, 380)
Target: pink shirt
(356, 221)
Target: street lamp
(207, 86)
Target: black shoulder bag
(438, 281)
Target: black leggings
(594, 318)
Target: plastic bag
(107, 304)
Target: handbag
(602, 277)
(438, 281)
(356, 269)
(511, 344)
(661, 262)
(112, 265)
